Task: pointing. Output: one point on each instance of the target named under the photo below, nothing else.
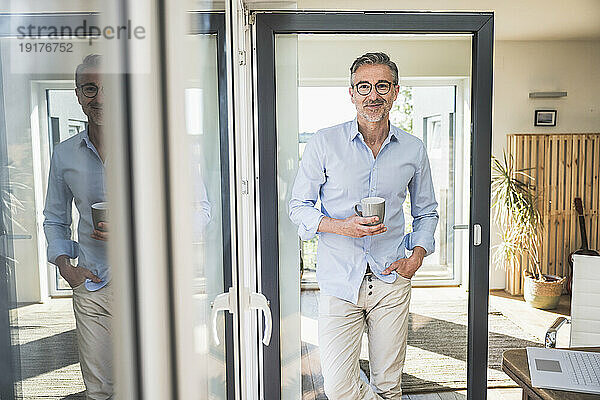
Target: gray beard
(370, 118)
(98, 120)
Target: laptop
(575, 371)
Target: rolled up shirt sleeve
(57, 215)
(423, 207)
(305, 192)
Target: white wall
(525, 66)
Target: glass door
(201, 198)
(167, 176)
(38, 107)
(206, 144)
(444, 67)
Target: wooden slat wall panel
(525, 161)
(510, 279)
(519, 161)
(574, 165)
(595, 209)
(553, 172)
(569, 200)
(564, 166)
(543, 191)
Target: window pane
(208, 173)
(54, 172)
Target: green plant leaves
(515, 211)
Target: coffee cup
(99, 214)
(370, 207)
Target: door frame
(481, 27)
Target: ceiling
(514, 19)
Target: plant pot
(543, 295)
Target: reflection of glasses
(89, 90)
(364, 88)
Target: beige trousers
(93, 314)
(382, 311)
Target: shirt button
(370, 286)
(370, 293)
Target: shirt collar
(85, 139)
(354, 129)
(393, 134)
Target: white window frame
(462, 178)
(41, 167)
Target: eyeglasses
(89, 90)
(381, 87)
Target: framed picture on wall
(545, 118)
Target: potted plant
(514, 205)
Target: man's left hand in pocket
(407, 267)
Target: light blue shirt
(76, 173)
(339, 168)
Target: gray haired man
(363, 273)
(77, 173)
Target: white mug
(370, 207)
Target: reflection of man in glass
(363, 273)
(77, 173)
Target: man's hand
(75, 276)
(407, 266)
(353, 226)
(101, 235)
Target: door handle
(222, 303)
(259, 302)
(457, 227)
(476, 235)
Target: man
(77, 172)
(363, 274)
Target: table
(515, 365)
